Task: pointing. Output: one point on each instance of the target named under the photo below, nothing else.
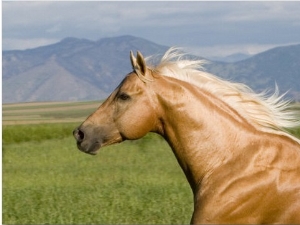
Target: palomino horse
(241, 165)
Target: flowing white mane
(268, 113)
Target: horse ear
(141, 62)
(139, 66)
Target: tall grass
(36, 132)
(47, 180)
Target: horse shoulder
(260, 186)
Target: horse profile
(230, 142)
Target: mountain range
(80, 69)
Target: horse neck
(201, 129)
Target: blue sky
(203, 28)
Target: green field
(46, 180)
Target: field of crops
(46, 180)
(47, 112)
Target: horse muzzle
(85, 143)
(89, 140)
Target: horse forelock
(268, 112)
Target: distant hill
(79, 69)
(73, 69)
(231, 58)
(279, 66)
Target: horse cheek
(135, 126)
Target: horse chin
(92, 149)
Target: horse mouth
(92, 149)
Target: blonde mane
(268, 113)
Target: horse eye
(124, 96)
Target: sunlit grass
(47, 180)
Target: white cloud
(263, 11)
(222, 25)
(54, 29)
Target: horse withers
(240, 163)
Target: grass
(50, 181)
(295, 132)
(46, 180)
(36, 132)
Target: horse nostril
(79, 135)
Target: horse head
(128, 113)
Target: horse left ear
(139, 65)
(133, 61)
(141, 62)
